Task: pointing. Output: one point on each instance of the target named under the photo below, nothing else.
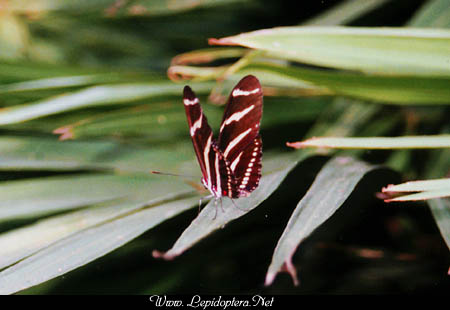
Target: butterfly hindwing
(247, 168)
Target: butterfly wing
(239, 141)
(202, 139)
(242, 176)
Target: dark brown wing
(242, 176)
(242, 117)
(239, 141)
(202, 139)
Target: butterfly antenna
(175, 175)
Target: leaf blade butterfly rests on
(230, 164)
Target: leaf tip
(223, 41)
(295, 145)
(289, 268)
(269, 278)
(286, 267)
(387, 188)
(65, 132)
(163, 255)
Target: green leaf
(162, 7)
(21, 71)
(22, 242)
(388, 89)
(38, 153)
(344, 12)
(56, 194)
(425, 195)
(440, 208)
(158, 122)
(438, 166)
(417, 186)
(212, 218)
(387, 51)
(86, 245)
(407, 142)
(278, 79)
(92, 96)
(332, 186)
(57, 82)
(113, 8)
(434, 13)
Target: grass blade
(440, 208)
(57, 82)
(80, 248)
(277, 79)
(22, 242)
(425, 195)
(56, 194)
(434, 13)
(384, 88)
(372, 50)
(332, 186)
(92, 96)
(344, 12)
(39, 153)
(209, 221)
(417, 186)
(411, 142)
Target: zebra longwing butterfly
(230, 165)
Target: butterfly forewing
(202, 136)
(239, 139)
(242, 117)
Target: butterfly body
(230, 164)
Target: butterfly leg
(215, 205)
(221, 206)
(243, 210)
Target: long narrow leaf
(438, 166)
(212, 218)
(375, 50)
(92, 96)
(386, 88)
(40, 153)
(56, 194)
(416, 186)
(277, 79)
(80, 248)
(330, 189)
(425, 195)
(20, 243)
(434, 14)
(344, 12)
(440, 209)
(414, 142)
(57, 82)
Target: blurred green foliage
(88, 111)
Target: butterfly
(231, 164)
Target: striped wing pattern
(230, 165)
